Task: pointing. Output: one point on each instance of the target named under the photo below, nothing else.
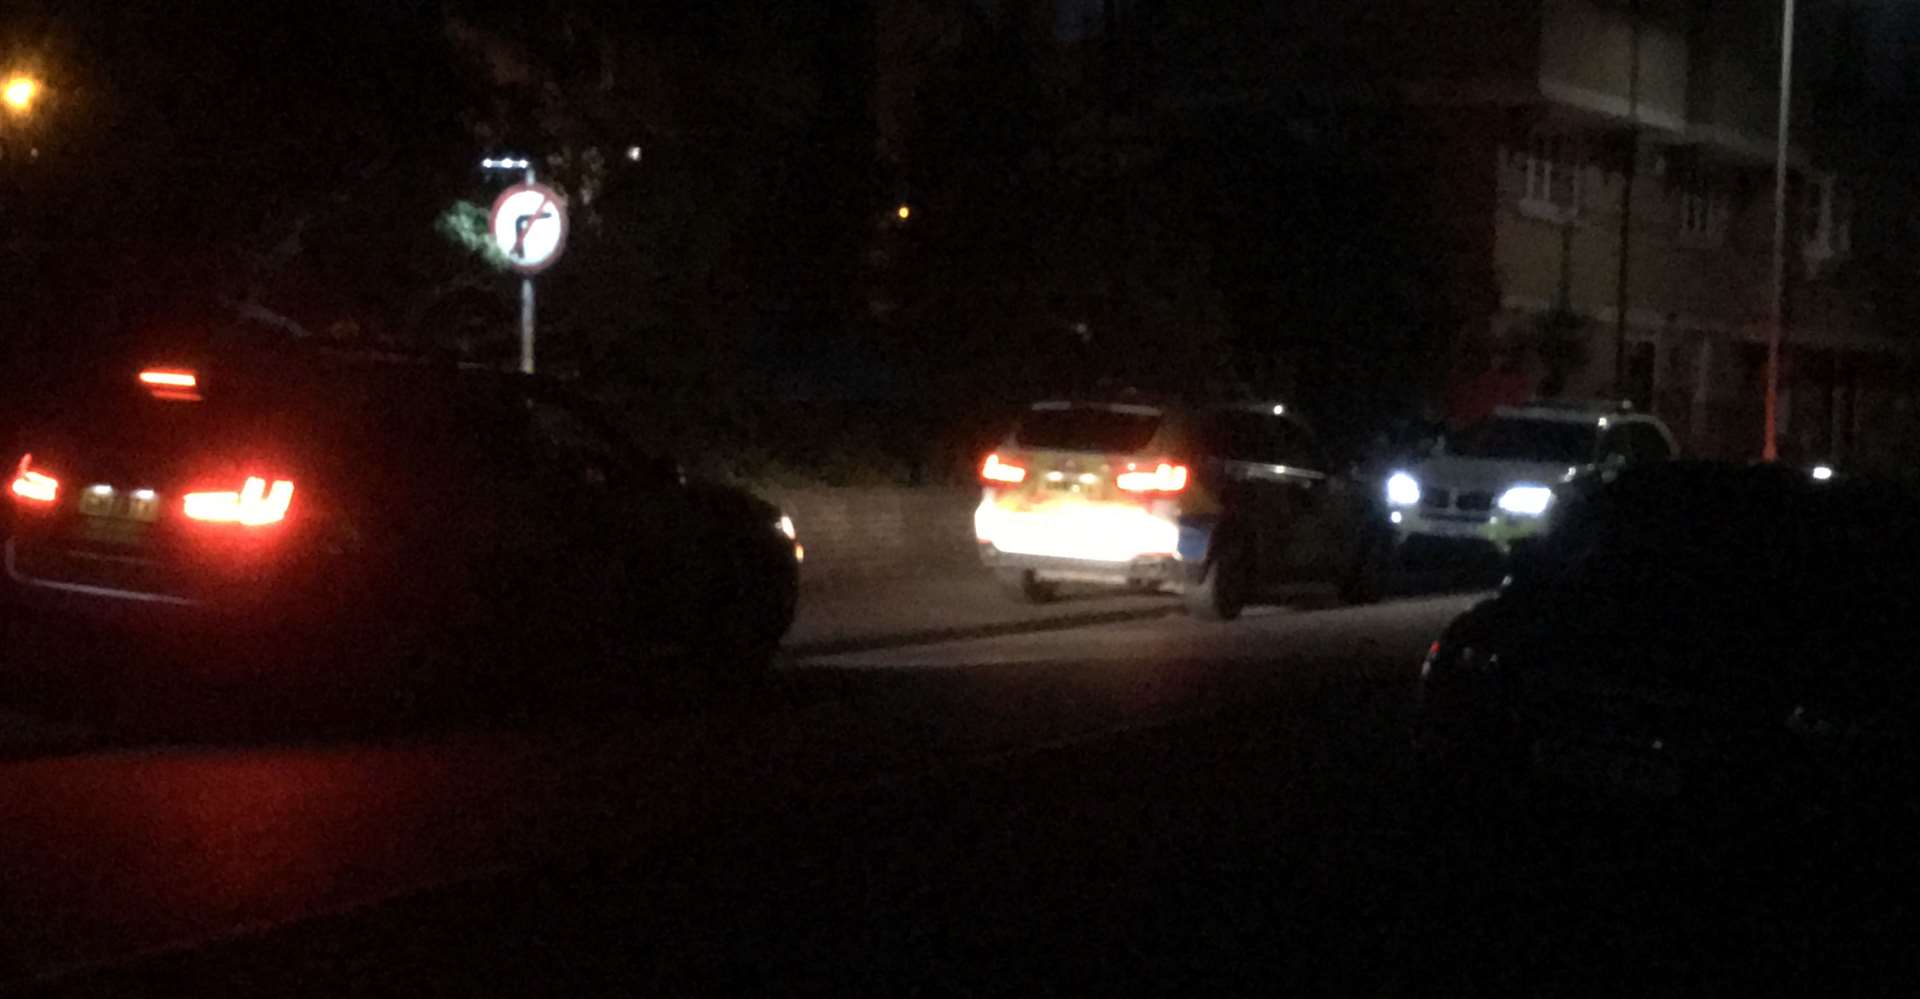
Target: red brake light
(171, 379)
(254, 505)
(34, 486)
(172, 384)
(995, 470)
(1167, 478)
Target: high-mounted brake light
(1167, 478)
(254, 505)
(995, 470)
(174, 384)
(171, 379)
(32, 485)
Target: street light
(1770, 446)
(20, 92)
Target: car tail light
(256, 503)
(33, 485)
(1166, 478)
(172, 384)
(995, 470)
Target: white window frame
(1704, 210)
(1553, 168)
(1827, 218)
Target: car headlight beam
(1526, 500)
(1402, 489)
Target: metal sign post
(526, 325)
(529, 225)
(526, 309)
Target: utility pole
(1621, 295)
(1776, 330)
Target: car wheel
(1027, 587)
(750, 608)
(1221, 593)
(1366, 578)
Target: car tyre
(1027, 587)
(1221, 593)
(1366, 580)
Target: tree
(218, 153)
(712, 157)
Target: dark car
(1725, 640)
(1219, 502)
(261, 514)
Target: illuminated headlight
(785, 526)
(1402, 489)
(1526, 501)
(1822, 473)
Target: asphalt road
(1146, 807)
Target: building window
(1826, 215)
(1703, 211)
(1553, 164)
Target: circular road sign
(529, 225)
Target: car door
(1318, 504)
(546, 577)
(627, 529)
(1252, 486)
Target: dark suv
(274, 512)
(1216, 501)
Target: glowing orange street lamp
(19, 93)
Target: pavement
(887, 613)
(969, 604)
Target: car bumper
(1096, 544)
(1496, 529)
(66, 628)
(1167, 569)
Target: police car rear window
(1086, 428)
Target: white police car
(1495, 483)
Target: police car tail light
(255, 504)
(1163, 478)
(32, 486)
(995, 470)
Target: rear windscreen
(1105, 431)
(398, 415)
